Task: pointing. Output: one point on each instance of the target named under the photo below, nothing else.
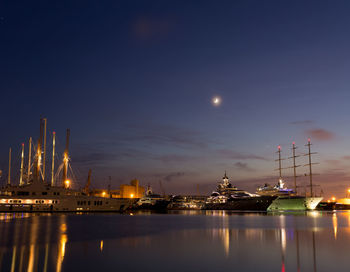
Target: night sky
(134, 80)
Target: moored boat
(151, 201)
(288, 199)
(229, 197)
(38, 195)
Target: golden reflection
(47, 241)
(335, 225)
(13, 263)
(33, 240)
(62, 243)
(314, 214)
(31, 243)
(21, 258)
(101, 245)
(31, 258)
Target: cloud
(242, 166)
(94, 158)
(170, 176)
(175, 158)
(164, 135)
(346, 157)
(302, 122)
(144, 27)
(320, 134)
(234, 155)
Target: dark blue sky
(133, 80)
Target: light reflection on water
(183, 241)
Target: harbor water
(177, 241)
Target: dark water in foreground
(187, 241)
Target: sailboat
(288, 199)
(39, 195)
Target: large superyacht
(36, 194)
(288, 199)
(228, 197)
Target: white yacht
(38, 195)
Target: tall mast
(44, 157)
(53, 158)
(294, 167)
(29, 158)
(9, 175)
(38, 154)
(65, 159)
(22, 160)
(310, 164)
(279, 162)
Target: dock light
(132, 195)
(349, 191)
(67, 183)
(103, 194)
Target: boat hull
(156, 206)
(71, 204)
(243, 204)
(294, 203)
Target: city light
(67, 183)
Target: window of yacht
(44, 193)
(22, 193)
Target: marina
(174, 136)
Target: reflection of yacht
(228, 197)
(151, 201)
(38, 195)
(287, 199)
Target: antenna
(109, 187)
(161, 187)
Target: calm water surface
(184, 241)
